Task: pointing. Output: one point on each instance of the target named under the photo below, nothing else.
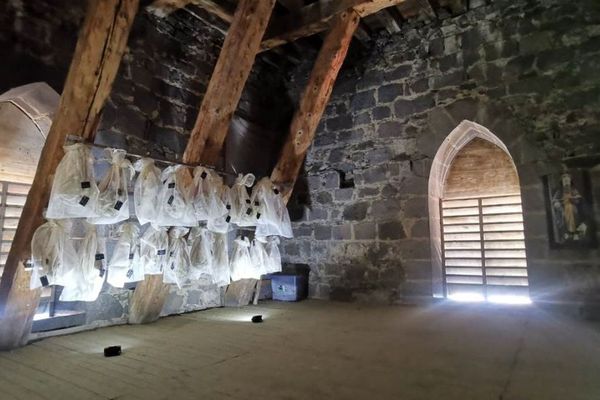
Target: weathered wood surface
(314, 100)
(147, 300)
(228, 79)
(101, 44)
(240, 293)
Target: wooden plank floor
(319, 350)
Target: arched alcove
(474, 189)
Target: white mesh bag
(154, 245)
(178, 264)
(241, 263)
(259, 256)
(175, 206)
(274, 256)
(113, 200)
(53, 255)
(221, 272)
(242, 211)
(272, 218)
(124, 265)
(201, 258)
(74, 191)
(207, 195)
(221, 223)
(146, 189)
(90, 272)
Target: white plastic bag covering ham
(221, 224)
(242, 266)
(208, 204)
(272, 218)
(220, 264)
(53, 255)
(243, 213)
(274, 260)
(259, 256)
(124, 265)
(154, 245)
(89, 273)
(201, 257)
(178, 265)
(113, 201)
(146, 189)
(175, 206)
(74, 191)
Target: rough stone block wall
(526, 69)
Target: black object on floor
(112, 351)
(257, 318)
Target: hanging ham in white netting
(146, 189)
(74, 191)
(52, 254)
(274, 256)
(259, 256)
(113, 201)
(242, 211)
(272, 218)
(154, 245)
(221, 272)
(201, 257)
(241, 263)
(124, 265)
(221, 224)
(175, 206)
(89, 273)
(178, 264)
(208, 204)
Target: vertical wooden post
(102, 42)
(314, 100)
(220, 101)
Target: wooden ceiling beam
(316, 17)
(100, 47)
(212, 124)
(314, 100)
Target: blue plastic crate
(289, 287)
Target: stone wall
(526, 70)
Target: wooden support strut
(206, 141)
(314, 100)
(102, 42)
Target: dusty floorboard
(319, 350)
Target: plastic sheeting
(243, 212)
(200, 241)
(207, 188)
(272, 218)
(274, 259)
(259, 256)
(178, 264)
(74, 190)
(146, 189)
(175, 206)
(242, 266)
(90, 271)
(125, 265)
(221, 224)
(53, 255)
(154, 245)
(220, 263)
(113, 200)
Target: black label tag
(170, 254)
(228, 206)
(119, 192)
(248, 201)
(170, 201)
(86, 185)
(131, 256)
(203, 175)
(257, 215)
(44, 280)
(249, 211)
(84, 200)
(130, 273)
(256, 204)
(171, 185)
(47, 261)
(172, 267)
(228, 219)
(276, 191)
(118, 205)
(161, 252)
(99, 257)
